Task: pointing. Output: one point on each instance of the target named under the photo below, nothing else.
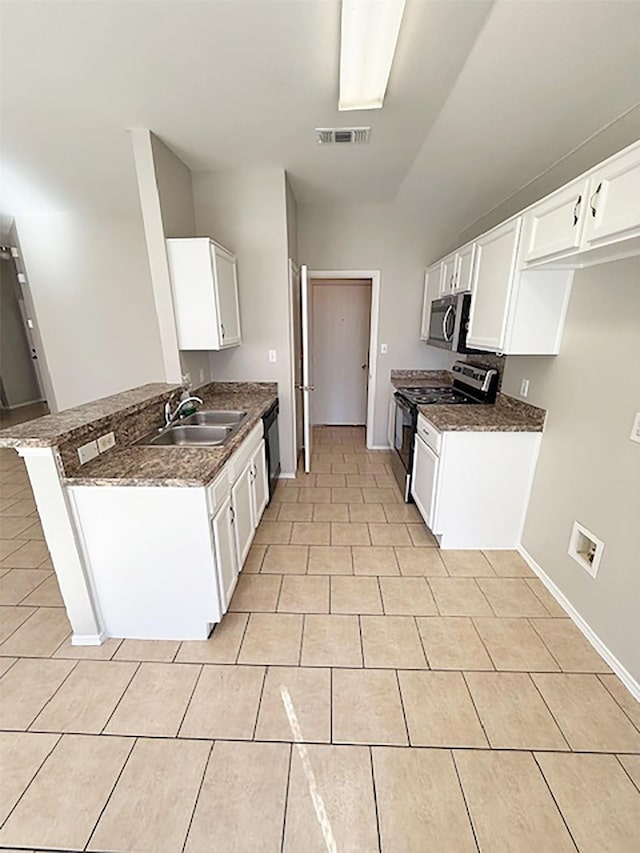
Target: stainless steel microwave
(449, 322)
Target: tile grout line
(555, 802)
(484, 645)
(113, 787)
(531, 622)
(633, 781)
(404, 710)
(475, 708)
(286, 799)
(58, 738)
(546, 705)
(375, 798)
(64, 680)
(190, 699)
(464, 799)
(197, 797)
(604, 684)
(127, 686)
(188, 705)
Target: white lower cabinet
(260, 491)
(472, 488)
(164, 561)
(242, 507)
(226, 554)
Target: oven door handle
(400, 401)
(445, 320)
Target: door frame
(374, 275)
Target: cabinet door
(226, 280)
(424, 480)
(243, 512)
(391, 423)
(555, 225)
(464, 269)
(448, 276)
(492, 284)
(260, 483)
(431, 292)
(225, 551)
(613, 206)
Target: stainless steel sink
(211, 417)
(194, 436)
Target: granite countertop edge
(507, 415)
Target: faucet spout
(170, 417)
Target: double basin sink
(202, 429)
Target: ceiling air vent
(342, 135)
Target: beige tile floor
(365, 692)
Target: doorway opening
(340, 312)
(334, 339)
(22, 395)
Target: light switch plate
(635, 429)
(383, 349)
(273, 356)
(524, 388)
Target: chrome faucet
(170, 417)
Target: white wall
(90, 284)
(370, 237)
(177, 213)
(245, 210)
(589, 470)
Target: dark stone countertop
(507, 415)
(420, 378)
(131, 414)
(137, 465)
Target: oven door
(404, 433)
(442, 323)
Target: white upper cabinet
(448, 275)
(592, 220)
(204, 283)
(492, 282)
(613, 209)
(464, 268)
(431, 292)
(555, 224)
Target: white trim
(22, 405)
(379, 447)
(88, 639)
(624, 675)
(293, 270)
(285, 476)
(374, 275)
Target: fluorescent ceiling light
(367, 44)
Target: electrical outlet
(88, 451)
(524, 388)
(635, 429)
(201, 374)
(273, 356)
(383, 349)
(106, 441)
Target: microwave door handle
(445, 320)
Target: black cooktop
(445, 395)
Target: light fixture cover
(368, 39)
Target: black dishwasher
(272, 446)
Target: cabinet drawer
(429, 434)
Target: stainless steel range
(472, 385)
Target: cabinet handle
(233, 514)
(222, 329)
(576, 210)
(592, 202)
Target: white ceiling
(482, 98)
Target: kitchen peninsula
(147, 541)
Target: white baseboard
(286, 476)
(627, 679)
(379, 447)
(88, 639)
